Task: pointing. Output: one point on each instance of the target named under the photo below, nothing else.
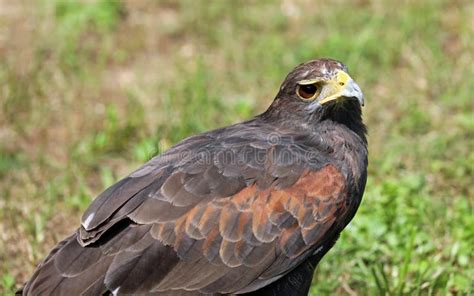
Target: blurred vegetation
(90, 90)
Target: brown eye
(307, 91)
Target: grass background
(90, 90)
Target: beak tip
(355, 89)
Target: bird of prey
(250, 208)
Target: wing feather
(229, 221)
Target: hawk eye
(307, 91)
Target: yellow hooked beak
(342, 85)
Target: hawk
(250, 208)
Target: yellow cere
(338, 83)
(342, 77)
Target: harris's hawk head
(246, 209)
(316, 90)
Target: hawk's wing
(215, 214)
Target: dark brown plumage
(249, 208)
